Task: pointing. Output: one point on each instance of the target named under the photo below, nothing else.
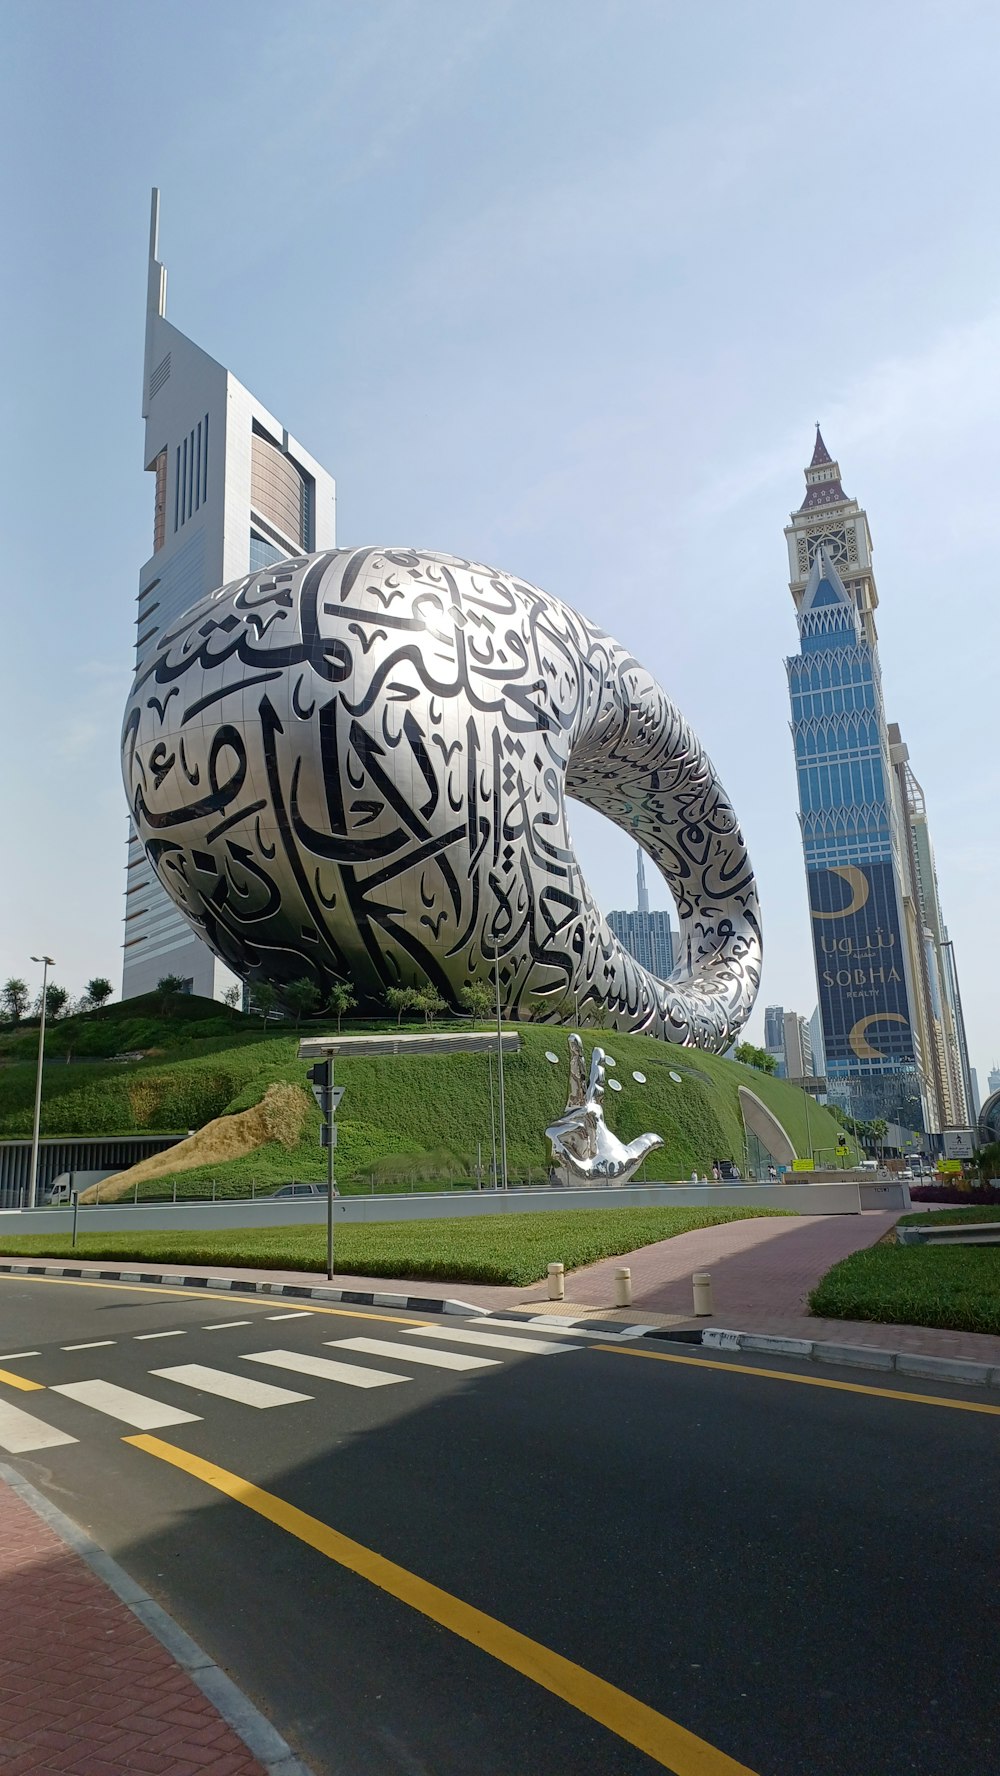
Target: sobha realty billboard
(860, 969)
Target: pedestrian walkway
(85, 1688)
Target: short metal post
(702, 1289)
(557, 1282)
(213, 1189)
(623, 1287)
(76, 1209)
(175, 1190)
(135, 1195)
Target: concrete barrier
(841, 1198)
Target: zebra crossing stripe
(433, 1359)
(121, 1403)
(245, 1389)
(21, 1432)
(351, 1374)
(532, 1347)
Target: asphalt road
(672, 1562)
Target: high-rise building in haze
(646, 935)
(993, 1078)
(850, 823)
(233, 493)
(938, 1001)
(798, 1046)
(774, 1036)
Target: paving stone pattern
(85, 1689)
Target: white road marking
(380, 1347)
(133, 1409)
(224, 1325)
(141, 1335)
(20, 1432)
(531, 1347)
(298, 1313)
(95, 1344)
(13, 1356)
(243, 1388)
(353, 1375)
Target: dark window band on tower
(177, 486)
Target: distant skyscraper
(233, 492)
(942, 1027)
(646, 935)
(993, 1079)
(849, 821)
(798, 1047)
(774, 1035)
(642, 897)
(976, 1101)
(816, 1042)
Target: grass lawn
(956, 1287)
(474, 1249)
(953, 1217)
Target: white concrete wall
(801, 1199)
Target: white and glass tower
(233, 492)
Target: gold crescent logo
(858, 1040)
(860, 888)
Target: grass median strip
(511, 1248)
(667, 1743)
(953, 1287)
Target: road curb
(854, 1356)
(262, 1740)
(241, 1286)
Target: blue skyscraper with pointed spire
(849, 821)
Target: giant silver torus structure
(356, 765)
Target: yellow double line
(669, 1744)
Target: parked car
(303, 1190)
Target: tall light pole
(500, 1088)
(47, 963)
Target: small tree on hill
(341, 999)
(751, 1056)
(15, 999)
(476, 999)
(263, 999)
(99, 991)
(232, 997)
(400, 999)
(56, 999)
(302, 997)
(431, 1004)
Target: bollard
(623, 1288)
(702, 1285)
(557, 1284)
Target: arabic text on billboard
(859, 964)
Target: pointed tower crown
(823, 485)
(827, 607)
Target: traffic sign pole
(331, 1131)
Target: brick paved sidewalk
(85, 1688)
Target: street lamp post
(500, 1078)
(47, 963)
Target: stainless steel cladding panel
(356, 766)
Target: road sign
(336, 1093)
(802, 1165)
(958, 1143)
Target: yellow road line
(20, 1381)
(237, 1295)
(814, 1381)
(669, 1744)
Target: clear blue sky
(558, 284)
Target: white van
(867, 1165)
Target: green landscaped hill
(420, 1116)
